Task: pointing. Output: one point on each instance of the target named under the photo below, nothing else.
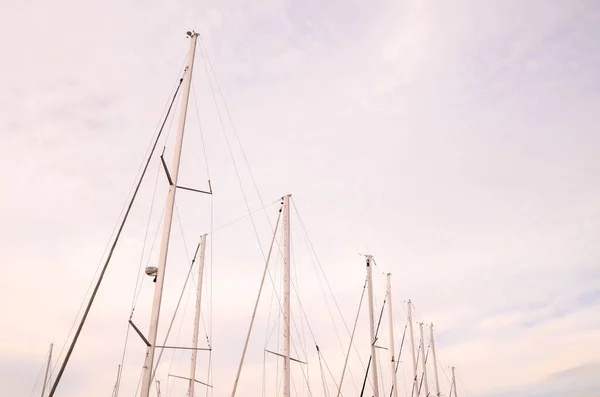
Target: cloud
(581, 380)
(455, 142)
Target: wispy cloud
(456, 142)
(581, 380)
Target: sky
(454, 141)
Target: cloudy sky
(455, 141)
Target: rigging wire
(327, 367)
(223, 130)
(370, 356)
(443, 367)
(362, 295)
(323, 380)
(262, 208)
(187, 299)
(313, 252)
(209, 67)
(423, 373)
(140, 278)
(210, 289)
(193, 274)
(169, 388)
(323, 272)
(313, 337)
(255, 307)
(303, 338)
(380, 378)
(137, 388)
(463, 386)
(269, 335)
(113, 246)
(405, 381)
(398, 359)
(156, 234)
(187, 278)
(39, 377)
(307, 383)
(137, 282)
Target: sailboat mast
(424, 362)
(415, 391)
(286, 296)
(201, 256)
(391, 331)
(435, 369)
(164, 247)
(47, 369)
(454, 382)
(372, 327)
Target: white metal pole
(435, 369)
(391, 334)
(372, 328)
(415, 391)
(201, 255)
(164, 247)
(454, 382)
(286, 296)
(47, 369)
(424, 362)
(339, 392)
(262, 282)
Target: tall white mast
(286, 296)
(435, 369)
(391, 331)
(415, 391)
(201, 254)
(424, 362)
(372, 328)
(164, 247)
(47, 369)
(454, 383)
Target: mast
(415, 391)
(286, 296)
(47, 369)
(435, 370)
(201, 256)
(454, 382)
(424, 361)
(372, 327)
(391, 331)
(262, 282)
(164, 247)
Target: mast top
(192, 33)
